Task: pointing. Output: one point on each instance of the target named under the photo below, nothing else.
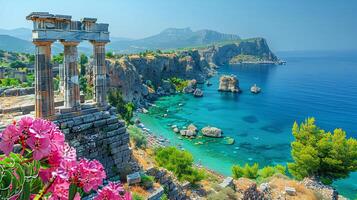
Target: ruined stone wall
(169, 184)
(96, 133)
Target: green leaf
(72, 191)
(25, 194)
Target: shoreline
(155, 141)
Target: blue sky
(287, 24)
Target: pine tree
(323, 155)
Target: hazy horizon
(287, 25)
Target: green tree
(179, 162)
(58, 58)
(269, 171)
(109, 54)
(83, 60)
(31, 58)
(247, 171)
(323, 155)
(126, 110)
(17, 64)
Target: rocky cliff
(142, 77)
(223, 54)
(137, 75)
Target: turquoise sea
(317, 84)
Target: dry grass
(144, 157)
(139, 190)
(278, 187)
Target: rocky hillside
(248, 50)
(142, 77)
(138, 76)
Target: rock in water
(176, 130)
(198, 93)
(192, 128)
(211, 131)
(228, 83)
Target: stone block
(133, 178)
(100, 123)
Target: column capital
(98, 43)
(43, 43)
(70, 43)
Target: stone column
(71, 81)
(99, 73)
(44, 97)
(61, 75)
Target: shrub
(247, 171)
(137, 136)
(179, 162)
(147, 181)
(38, 163)
(253, 172)
(179, 84)
(320, 154)
(126, 110)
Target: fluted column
(99, 73)
(44, 100)
(71, 81)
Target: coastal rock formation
(223, 54)
(327, 192)
(136, 76)
(228, 84)
(143, 77)
(198, 93)
(211, 131)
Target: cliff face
(134, 74)
(131, 74)
(223, 54)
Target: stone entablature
(47, 26)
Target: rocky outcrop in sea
(142, 78)
(228, 83)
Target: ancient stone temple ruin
(92, 128)
(48, 28)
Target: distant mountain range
(172, 38)
(19, 40)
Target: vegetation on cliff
(323, 155)
(137, 136)
(124, 109)
(253, 171)
(180, 163)
(179, 83)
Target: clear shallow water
(321, 85)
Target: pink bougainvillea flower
(8, 138)
(40, 146)
(25, 123)
(56, 137)
(40, 127)
(109, 192)
(60, 190)
(89, 174)
(68, 152)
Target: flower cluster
(42, 142)
(113, 191)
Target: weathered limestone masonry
(93, 129)
(99, 72)
(96, 133)
(48, 28)
(44, 102)
(71, 81)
